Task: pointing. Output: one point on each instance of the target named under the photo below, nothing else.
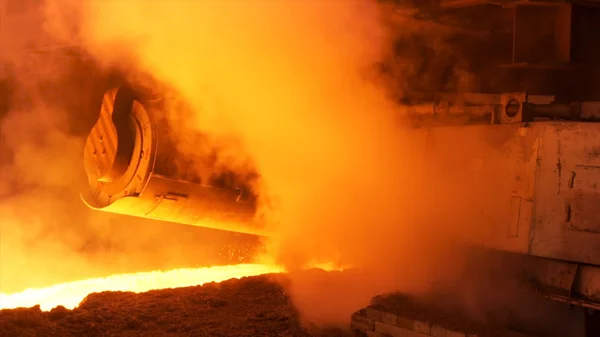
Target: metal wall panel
(566, 213)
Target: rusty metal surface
(562, 281)
(566, 178)
(125, 169)
(496, 174)
(552, 276)
(193, 204)
(582, 204)
(587, 284)
(129, 173)
(533, 188)
(451, 4)
(187, 203)
(446, 109)
(542, 33)
(101, 144)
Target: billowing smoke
(294, 88)
(298, 86)
(47, 235)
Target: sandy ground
(254, 306)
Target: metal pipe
(123, 157)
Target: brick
(358, 333)
(438, 331)
(450, 333)
(362, 323)
(405, 323)
(374, 334)
(422, 327)
(388, 318)
(373, 314)
(390, 330)
(410, 333)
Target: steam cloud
(296, 83)
(293, 87)
(47, 235)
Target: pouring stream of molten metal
(71, 294)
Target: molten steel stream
(71, 294)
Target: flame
(71, 294)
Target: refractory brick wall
(375, 323)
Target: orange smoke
(292, 87)
(295, 83)
(47, 108)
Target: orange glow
(291, 86)
(71, 294)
